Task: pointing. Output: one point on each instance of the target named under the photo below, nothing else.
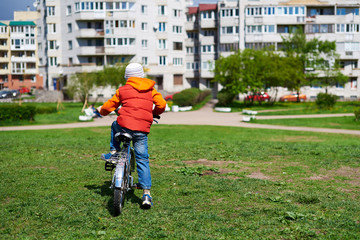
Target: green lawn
(329, 122)
(280, 108)
(256, 184)
(68, 114)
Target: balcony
(4, 59)
(4, 71)
(91, 50)
(23, 59)
(24, 71)
(208, 23)
(22, 47)
(121, 50)
(190, 26)
(90, 15)
(2, 47)
(90, 33)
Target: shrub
(326, 101)
(16, 112)
(357, 114)
(225, 98)
(203, 95)
(187, 97)
(45, 109)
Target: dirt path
(204, 116)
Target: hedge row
(15, 112)
(190, 97)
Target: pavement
(204, 116)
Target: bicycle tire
(119, 196)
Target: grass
(329, 122)
(69, 114)
(291, 108)
(208, 183)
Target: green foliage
(43, 109)
(190, 97)
(112, 76)
(81, 84)
(16, 112)
(326, 101)
(357, 114)
(225, 98)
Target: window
(162, 26)
(178, 79)
(208, 33)
(52, 61)
(207, 15)
(209, 65)
(207, 48)
(347, 28)
(162, 44)
(161, 10)
(70, 45)
(177, 46)
(144, 26)
(68, 10)
(144, 9)
(70, 61)
(162, 60)
(144, 43)
(353, 83)
(69, 28)
(345, 11)
(192, 35)
(177, 61)
(226, 12)
(51, 28)
(192, 65)
(51, 11)
(52, 44)
(177, 13)
(177, 29)
(144, 61)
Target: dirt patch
(258, 175)
(352, 173)
(209, 163)
(302, 139)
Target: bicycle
(124, 163)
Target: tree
(316, 58)
(81, 84)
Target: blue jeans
(140, 145)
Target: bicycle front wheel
(119, 196)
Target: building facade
(179, 43)
(18, 53)
(77, 36)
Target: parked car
(169, 97)
(259, 96)
(15, 93)
(6, 94)
(293, 97)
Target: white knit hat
(134, 70)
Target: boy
(136, 98)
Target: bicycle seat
(123, 137)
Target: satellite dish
(35, 4)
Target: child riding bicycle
(136, 98)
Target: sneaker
(146, 201)
(109, 157)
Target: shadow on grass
(104, 190)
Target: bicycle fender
(119, 174)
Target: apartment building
(77, 36)
(263, 23)
(18, 53)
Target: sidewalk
(204, 116)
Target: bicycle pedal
(109, 166)
(137, 186)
